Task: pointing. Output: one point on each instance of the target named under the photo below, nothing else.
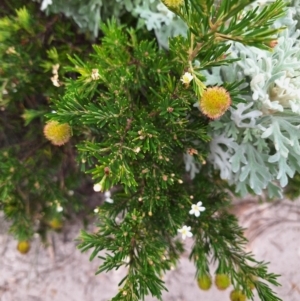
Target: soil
(59, 272)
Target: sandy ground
(61, 273)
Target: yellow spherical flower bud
(204, 282)
(57, 133)
(250, 282)
(236, 295)
(215, 102)
(23, 246)
(173, 3)
(222, 281)
(55, 223)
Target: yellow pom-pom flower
(173, 3)
(222, 281)
(23, 246)
(57, 133)
(56, 223)
(250, 282)
(236, 295)
(215, 102)
(204, 282)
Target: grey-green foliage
(89, 14)
(159, 18)
(296, 5)
(256, 144)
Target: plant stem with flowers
(140, 118)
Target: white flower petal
(109, 200)
(185, 232)
(107, 194)
(97, 187)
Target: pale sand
(61, 273)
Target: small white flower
(186, 78)
(97, 187)
(137, 149)
(71, 192)
(45, 4)
(55, 80)
(108, 198)
(95, 74)
(11, 50)
(55, 69)
(185, 232)
(196, 209)
(59, 208)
